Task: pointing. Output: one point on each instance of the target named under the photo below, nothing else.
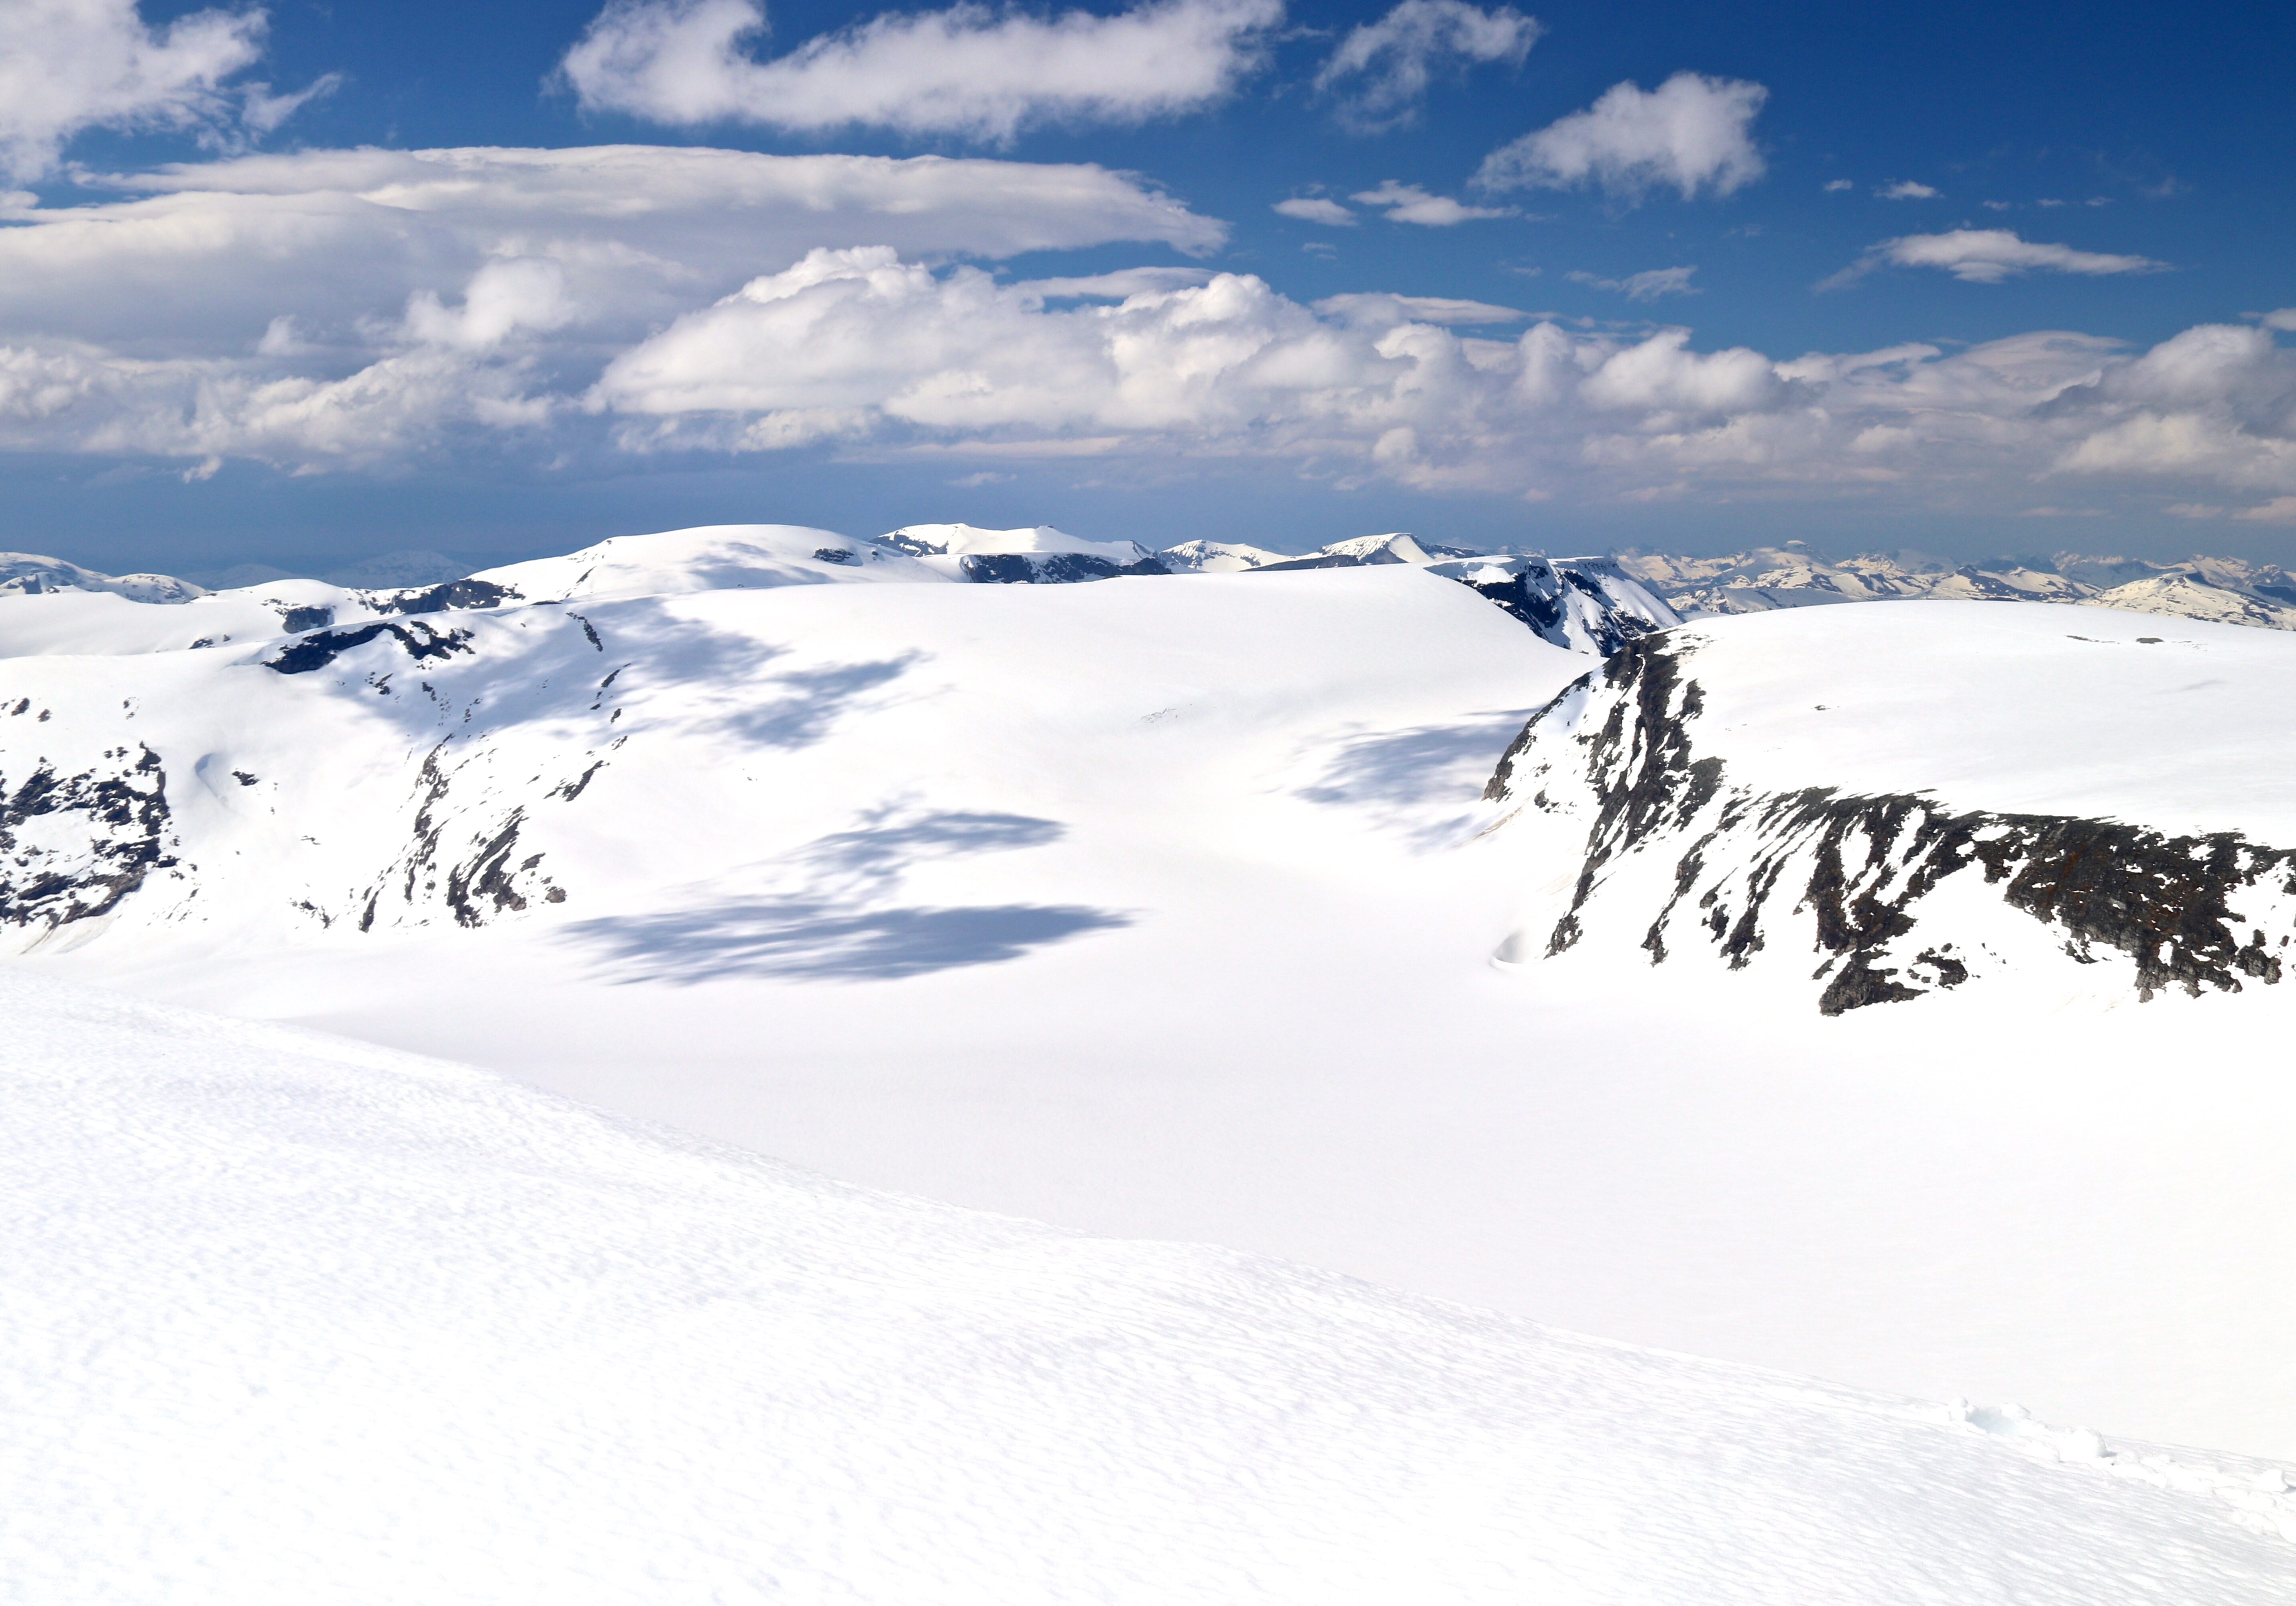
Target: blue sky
(1967, 279)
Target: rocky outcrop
(1851, 881)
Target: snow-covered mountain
(29, 574)
(1585, 605)
(1040, 556)
(1216, 558)
(2230, 590)
(297, 1320)
(1397, 547)
(1159, 908)
(1875, 806)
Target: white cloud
(1690, 132)
(966, 71)
(886, 357)
(502, 300)
(205, 256)
(1906, 189)
(1408, 203)
(1986, 256)
(2284, 319)
(1384, 309)
(1835, 186)
(68, 65)
(1122, 284)
(358, 308)
(1645, 286)
(1381, 71)
(2279, 510)
(1316, 209)
(370, 310)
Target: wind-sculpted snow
(297, 1321)
(1891, 896)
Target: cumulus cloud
(1906, 189)
(394, 307)
(1380, 72)
(68, 65)
(1408, 203)
(1986, 256)
(1692, 133)
(966, 71)
(879, 355)
(2285, 320)
(1316, 209)
(1645, 286)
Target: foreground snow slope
(299, 1322)
(1154, 908)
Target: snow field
(304, 1321)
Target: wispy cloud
(1408, 203)
(70, 65)
(1380, 72)
(1692, 133)
(1645, 286)
(965, 70)
(1987, 256)
(1316, 209)
(1906, 189)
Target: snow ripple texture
(302, 1322)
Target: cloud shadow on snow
(1397, 776)
(839, 925)
(797, 940)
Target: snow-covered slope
(117, 619)
(711, 558)
(1216, 558)
(31, 574)
(298, 1321)
(1912, 799)
(1157, 909)
(1037, 556)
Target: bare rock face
(1886, 896)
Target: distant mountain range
(2229, 590)
(1590, 603)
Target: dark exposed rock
(322, 648)
(1049, 568)
(118, 837)
(442, 598)
(1861, 865)
(299, 620)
